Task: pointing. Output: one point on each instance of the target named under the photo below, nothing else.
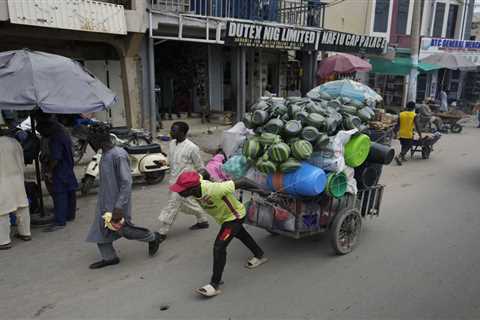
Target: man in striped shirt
(217, 199)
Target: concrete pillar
(131, 90)
(145, 89)
(239, 71)
(309, 65)
(151, 86)
(131, 67)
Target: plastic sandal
(208, 291)
(254, 262)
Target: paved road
(419, 259)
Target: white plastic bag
(331, 158)
(351, 182)
(234, 138)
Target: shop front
(389, 77)
(285, 58)
(239, 61)
(459, 84)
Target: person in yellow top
(407, 122)
(218, 200)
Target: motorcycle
(120, 136)
(146, 161)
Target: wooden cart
(302, 217)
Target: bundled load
(304, 138)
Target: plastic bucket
(368, 175)
(380, 153)
(357, 150)
(336, 184)
(307, 181)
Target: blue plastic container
(307, 181)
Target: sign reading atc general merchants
(434, 44)
(260, 35)
(467, 48)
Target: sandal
(208, 291)
(254, 262)
(6, 246)
(22, 237)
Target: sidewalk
(208, 136)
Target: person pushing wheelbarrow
(218, 200)
(407, 122)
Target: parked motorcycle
(148, 161)
(120, 136)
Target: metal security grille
(127, 4)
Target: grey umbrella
(450, 61)
(55, 84)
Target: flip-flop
(254, 262)
(208, 291)
(22, 237)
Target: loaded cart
(450, 121)
(302, 217)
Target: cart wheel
(345, 231)
(456, 128)
(426, 152)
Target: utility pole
(414, 49)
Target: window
(382, 9)
(402, 16)
(438, 22)
(452, 21)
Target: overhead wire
(334, 3)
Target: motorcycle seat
(120, 132)
(149, 148)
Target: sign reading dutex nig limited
(259, 35)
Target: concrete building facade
(445, 19)
(107, 36)
(195, 70)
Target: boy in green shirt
(217, 199)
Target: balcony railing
(295, 12)
(303, 13)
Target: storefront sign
(449, 44)
(467, 48)
(272, 36)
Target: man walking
(13, 197)
(60, 173)
(113, 217)
(407, 122)
(183, 156)
(218, 200)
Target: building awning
(399, 66)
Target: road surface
(419, 259)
